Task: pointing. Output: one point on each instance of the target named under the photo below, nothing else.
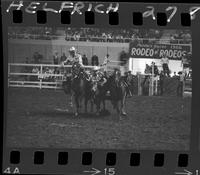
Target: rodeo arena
(99, 88)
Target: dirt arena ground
(38, 118)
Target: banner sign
(157, 51)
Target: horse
(99, 95)
(117, 88)
(67, 88)
(118, 92)
(88, 93)
(81, 88)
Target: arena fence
(36, 76)
(44, 76)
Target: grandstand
(100, 35)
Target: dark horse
(118, 92)
(81, 88)
(117, 88)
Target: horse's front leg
(76, 106)
(71, 100)
(123, 104)
(116, 104)
(91, 105)
(86, 102)
(98, 103)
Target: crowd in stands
(110, 35)
(184, 37)
(98, 34)
(43, 33)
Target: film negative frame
(108, 162)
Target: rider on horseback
(125, 80)
(75, 60)
(98, 77)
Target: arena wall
(19, 49)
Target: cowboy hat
(72, 48)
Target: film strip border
(113, 18)
(16, 159)
(57, 161)
(38, 158)
(100, 13)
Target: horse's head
(77, 71)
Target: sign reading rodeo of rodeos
(157, 51)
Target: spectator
(27, 60)
(55, 58)
(175, 76)
(123, 58)
(161, 82)
(105, 62)
(172, 39)
(27, 69)
(95, 60)
(180, 84)
(40, 58)
(165, 62)
(37, 58)
(85, 60)
(186, 65)
(63, 57)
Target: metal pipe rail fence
(23, 76)
(37, 79)
(30, 79)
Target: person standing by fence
(85, 60)
(180, 84)
(63, 58)
(55, 58)
(55, 62)
(95, 60)
(165, 63)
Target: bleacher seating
(100, 35)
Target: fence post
(151, 87)
(41, 76)
(139, 84)
(156, 89)
(8, 74)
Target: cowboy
(98, 76)
(165, 63)
(180, 84)
(105, 62)
(128, 80)
(185, 64)
(73, 59)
